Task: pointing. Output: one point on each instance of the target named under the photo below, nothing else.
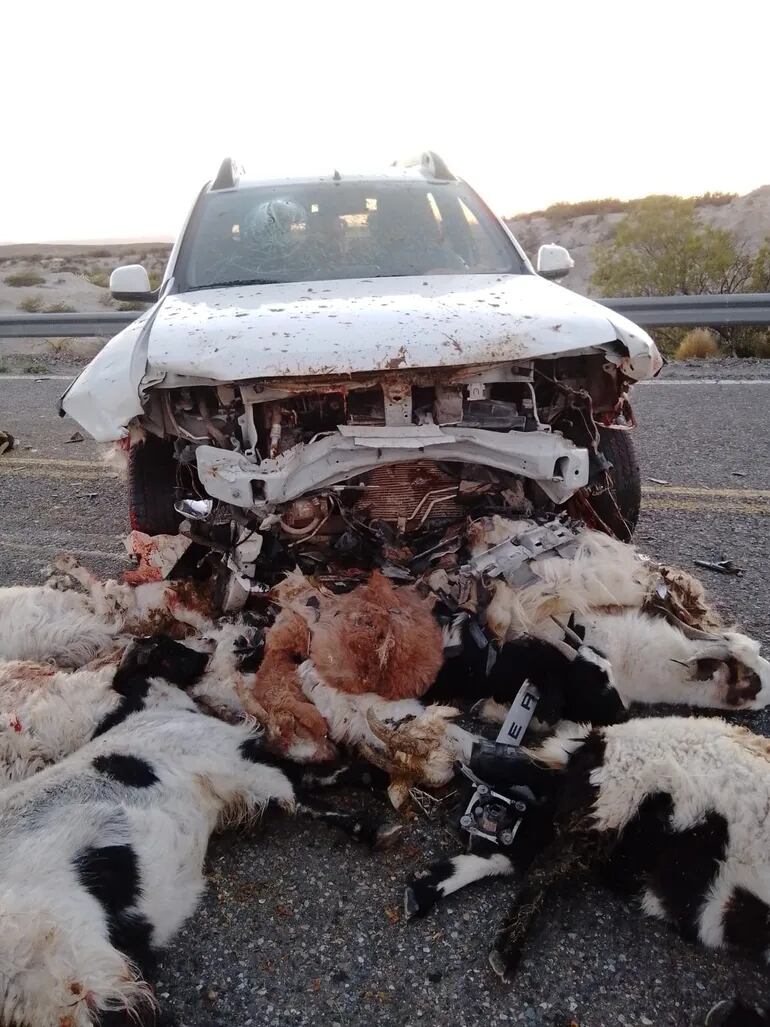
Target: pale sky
(115, 114)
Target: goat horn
(568, 632)
(378, 727)
(566, 650)
(719, 651)
(694, 634)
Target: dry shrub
(700, 343)
(61, 347)
(31, 304)
(98, 277)
(25, 278)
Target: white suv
(361, 358)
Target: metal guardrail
(37, 326)
(712, 311)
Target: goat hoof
(386, 836)
(411, 905)
(731, 1011)
(500, 964)
(419, 898)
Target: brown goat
(275, 697)
(377, 638)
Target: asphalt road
(301, 927)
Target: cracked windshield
(333, 231)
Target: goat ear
(706, 667)
(145, 647)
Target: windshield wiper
(238, 281)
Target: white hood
(340, 327)
(303, 329)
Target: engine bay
(373, 469)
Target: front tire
(625, 478)
(151, 487)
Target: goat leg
(450, 875)
(306, 778)
(560, 862)
(65, 563)
(360, 825)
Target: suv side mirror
(131, 282)
(554, 261)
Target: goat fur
(275, 695)
(72, 628)
(706, 766)
(47, 714)
(612, 593)
(413, 743)
(604, 573)
(58, 963)
(671, 810)
(654, 662)
(378, 638)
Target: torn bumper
(558, 465)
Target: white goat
(603, 573)
(41, 623)
(656, 662)
(117, 835)
(71, 628)
(413, 743)
(46, 714)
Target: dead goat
(664, 640)
(670, 810)
(412, 743)
(71, 628)
(375, 641)
(46, 714)
(656, 660)
(603, 574)
(575, 681)
(274, 696)
(378, 638)
(117, 834)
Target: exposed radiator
(411, 494)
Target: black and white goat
(575, 680)
(46, 714)
(657, 661)
(615, 596)
(602, 573)
(671, 810)
(117, 834)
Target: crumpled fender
(643, 358)
(108, 393)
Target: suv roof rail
(430, 164)
(228, 175)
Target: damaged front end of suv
(339, 375)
